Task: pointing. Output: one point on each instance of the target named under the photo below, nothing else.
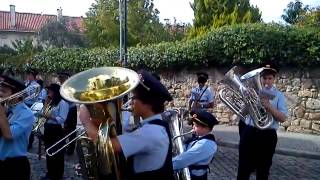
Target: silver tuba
(174, 117)
(242, 96)
(101, 90)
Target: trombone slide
(54, 146)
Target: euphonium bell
(242, 96)
(101, 90)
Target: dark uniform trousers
(69, 126)
(17, 168)
(55, 164)
(256, 150)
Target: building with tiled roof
(15, 25)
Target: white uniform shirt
(278, 102)
(148, 145)
(207, 96)
(31, 101)
(198, 152)
(60, 112)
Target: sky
(180, 9)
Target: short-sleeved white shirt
(207, 96)
(148, 145)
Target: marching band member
(202, 97)
(43, 93)
(53, 131)
(201, 148)
(256, 147)
(41, 99)
(31, 81)
(148, 148)
(15, 125)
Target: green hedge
(249, 44)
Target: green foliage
(310, 19)
(21, 53)
(102, 23)
(294, 11)
(246, 45)
(218, 13)
(56, 34)
(144, 27)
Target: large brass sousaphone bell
(101, 90)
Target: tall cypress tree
(217, 13)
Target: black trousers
(256, 150)
(17, 168)
(241, 126)
(55, 164)
(69, 126)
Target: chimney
(59, 14)
(12, 16)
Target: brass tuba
(101, 90)
(242, 96)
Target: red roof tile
(29, 22)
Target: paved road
(286, 140)
(284, 167)
(224, 167)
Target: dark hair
(157, 105)
(55, 88)
(267, 72)
(202, 80)
(40, 82)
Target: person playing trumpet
(148, 149)
(53, 131)
(201, 148)
(16, 121)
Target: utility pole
(123, 31)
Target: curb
(282, 151)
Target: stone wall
(300, 87)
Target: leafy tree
(20, 52)
(176, 31)
(57, 34)
(102, 23)
(217, 13)
(294, 11)
(144, 27)
(310, 18)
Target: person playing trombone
(148, 149)
(53, 131)
(16, 121)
